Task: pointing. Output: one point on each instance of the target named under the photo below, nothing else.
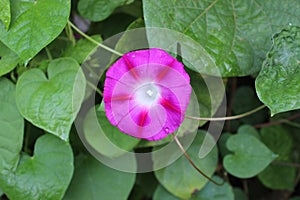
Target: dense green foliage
(49, 70)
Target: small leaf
(52, 103)
(8, 59)
(92, 180)
(104, 137)
(250, 156)
(182, 173)
(46, 175)
(98, 10)
(235, 34)
(215, 192)
(277, 176)
(280, 73)
(248, 130)
(82, 49)
(5, 13)
(34, 24)
(12, 126)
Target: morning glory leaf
(52, 102)
(250, 156)
(34, 24)
(278, 83)
(236, 34)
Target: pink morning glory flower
(146, 94)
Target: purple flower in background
(146, 94)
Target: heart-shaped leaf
(52, 104)
(24, 177)
(46, 175)
(93, 180)
(236, 34)
(34, 24)
(250, 156)
(12, 125)
(188, 178)
(5, 13)
(8, 59)
(277, 176)
(280, 73)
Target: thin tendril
(226, 118)
(48, 53)
(94, 41)
(192, 163)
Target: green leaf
(93, 180)
(12, 125)
(46, 175)
(250, 156)
(104, 137)
(280, 73)
(234, 33)
(34, 24)
(1, 192)
(82, 49)
(215, 192)
(162, 194)
(52, 103)
(248, 130)
(98, 10)
(278, 176)
(8, 59)
(5, 13)
(181, 173)
(245, 129)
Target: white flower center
(147, 94)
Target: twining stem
(94, 41)
(281, 121)
(48, 54)
(192, 163)
(226, 118)
(70, 35)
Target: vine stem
(94, 41)
(192, 163)
(273, 123)
(226, 118)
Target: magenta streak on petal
(130, 67)
(162, 74)
(142, 118)
(168, 105)
(124, 97)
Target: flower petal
(138, 74)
